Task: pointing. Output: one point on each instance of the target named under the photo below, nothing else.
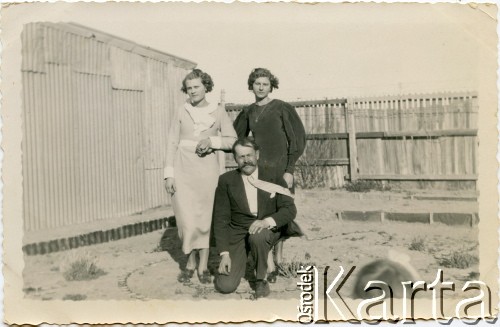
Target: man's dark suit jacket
(232, 216)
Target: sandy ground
(145, 267)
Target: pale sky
(317, 51)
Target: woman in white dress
(197, 130)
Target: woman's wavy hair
(206, 80)
(262, 72)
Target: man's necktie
(269, 187)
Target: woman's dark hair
(206, 80)
(262, 72)
(246, 142)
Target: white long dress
(196, 177)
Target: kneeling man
(250, 212)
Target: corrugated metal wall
(96, 113)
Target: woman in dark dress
(278, 131)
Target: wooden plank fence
(424, 137)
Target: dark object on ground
(387, 271)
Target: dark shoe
(272, 276)
(261, 289)
(205, 277)
(185, 276)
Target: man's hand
(170, 185)
(204, 146)
(288, 179)
(257, 226)
(225, 265)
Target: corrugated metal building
(96, 112)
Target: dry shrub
(309, 172)
(81, 266)
(29, 290)
(288, 269)
(459, 259)
(417, 244)
(473, 275)
(75, 297)
(309, 176)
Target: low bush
(459, 259)
(417, 244)
(288, 269)
(81, 266)
(75, 297)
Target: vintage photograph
(209, 152)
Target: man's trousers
(255, 246)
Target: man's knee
(225, 284)
(261, 238)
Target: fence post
(351, 130)
(221, 155)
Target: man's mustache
(250, 164)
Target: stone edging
(130, 230)
(98, 237)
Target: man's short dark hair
(245, 141)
